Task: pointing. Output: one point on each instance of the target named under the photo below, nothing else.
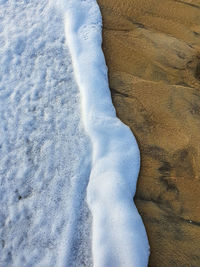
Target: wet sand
(152, 49)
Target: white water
(49, 146)
(44, 151)
(118, 234)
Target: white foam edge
(118, 234)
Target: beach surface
(152, 50)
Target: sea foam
(118, 234)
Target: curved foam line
(119, 236)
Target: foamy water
(118, 234)
(68, 166)
(44, 151)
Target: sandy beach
(152, 52)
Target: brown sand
(152, 49)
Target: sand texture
(152, 49)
